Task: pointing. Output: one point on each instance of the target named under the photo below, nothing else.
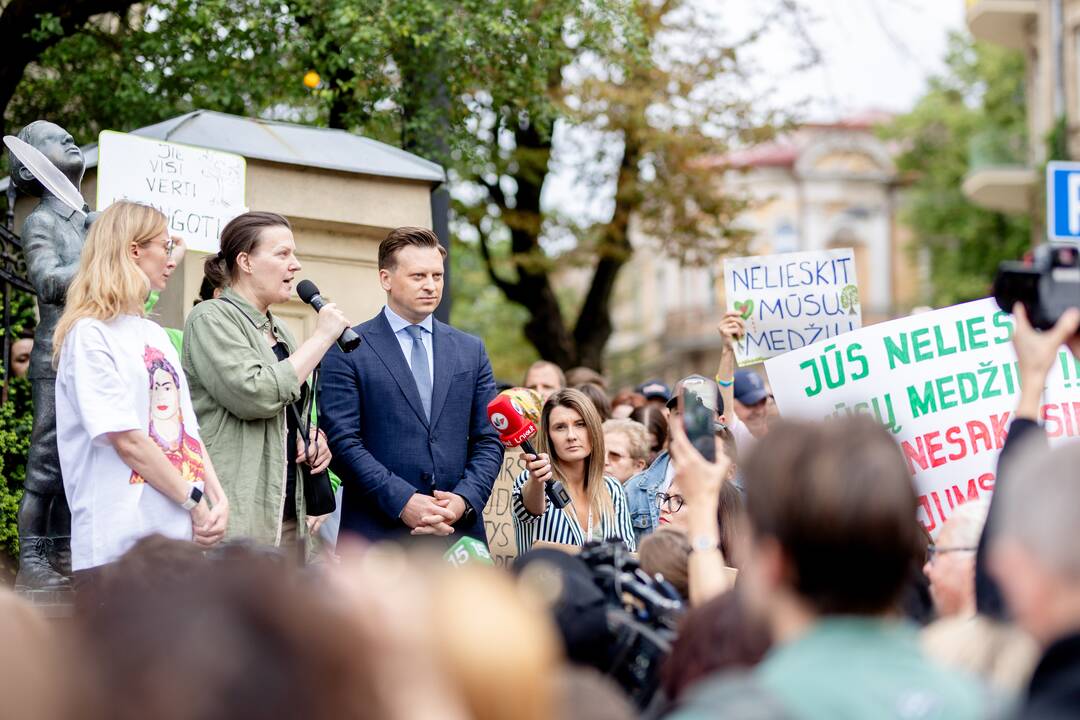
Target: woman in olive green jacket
(245, 369)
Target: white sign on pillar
(198, 190)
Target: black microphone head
(306, 290)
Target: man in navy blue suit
(406, 412)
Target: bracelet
(724, 383)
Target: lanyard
(301, 414)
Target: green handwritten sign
(792, 300)
(944, 383)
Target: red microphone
(515, 430)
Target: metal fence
(13, 276)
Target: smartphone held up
(697, 407)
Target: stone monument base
(50, 603)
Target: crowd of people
(787, 577)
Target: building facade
(823, 186)
(1006, 172)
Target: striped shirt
(561, 526)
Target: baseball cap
(674, 401)
(654, 389)
(749, 387)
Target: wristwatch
(469, 516)
(703, 543)
(194, 496)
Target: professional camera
(611, 614)
(1047, 286)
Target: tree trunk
(594, 326)
(546, 328)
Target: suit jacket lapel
(385, 344)
(444, 352)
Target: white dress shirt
(398, 325)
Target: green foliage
(162, 59)
(980, 97)
(16, 421)
(477, 85)
(430, 76)
(479, 308)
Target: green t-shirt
(846, 668)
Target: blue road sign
(1063, 201)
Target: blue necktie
(420, 371)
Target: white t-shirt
(112, 377)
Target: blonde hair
(636, 435)
(1000, 653)
(502, 652)
(595, 489)
(108, 283)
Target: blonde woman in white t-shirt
(130, 451)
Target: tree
(150, 62)
(477, 85)
(30, 27)
(482, 90)
(481, 309)
(658, 104)
(980, 95)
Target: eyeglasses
(673, 503)
(934, 551)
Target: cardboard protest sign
(791, 300)
(498, 515)
(944, 383)
(198, 190)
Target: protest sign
(198, 190)
(498, 515)
(944, 383)
(791, 300)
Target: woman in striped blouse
(571, 445)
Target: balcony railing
(999, 176)
(997, 148)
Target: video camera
(1047, 286)
(612, 615)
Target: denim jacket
(641, 492)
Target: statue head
(55, 143)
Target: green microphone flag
(468, 551)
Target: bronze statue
(52, 239)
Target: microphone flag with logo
(507, 416)
(468, 551)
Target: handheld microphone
(309, 293)
(515, 431)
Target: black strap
(305, 399)
(246, 316)
(305, 425)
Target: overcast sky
(875, 55)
